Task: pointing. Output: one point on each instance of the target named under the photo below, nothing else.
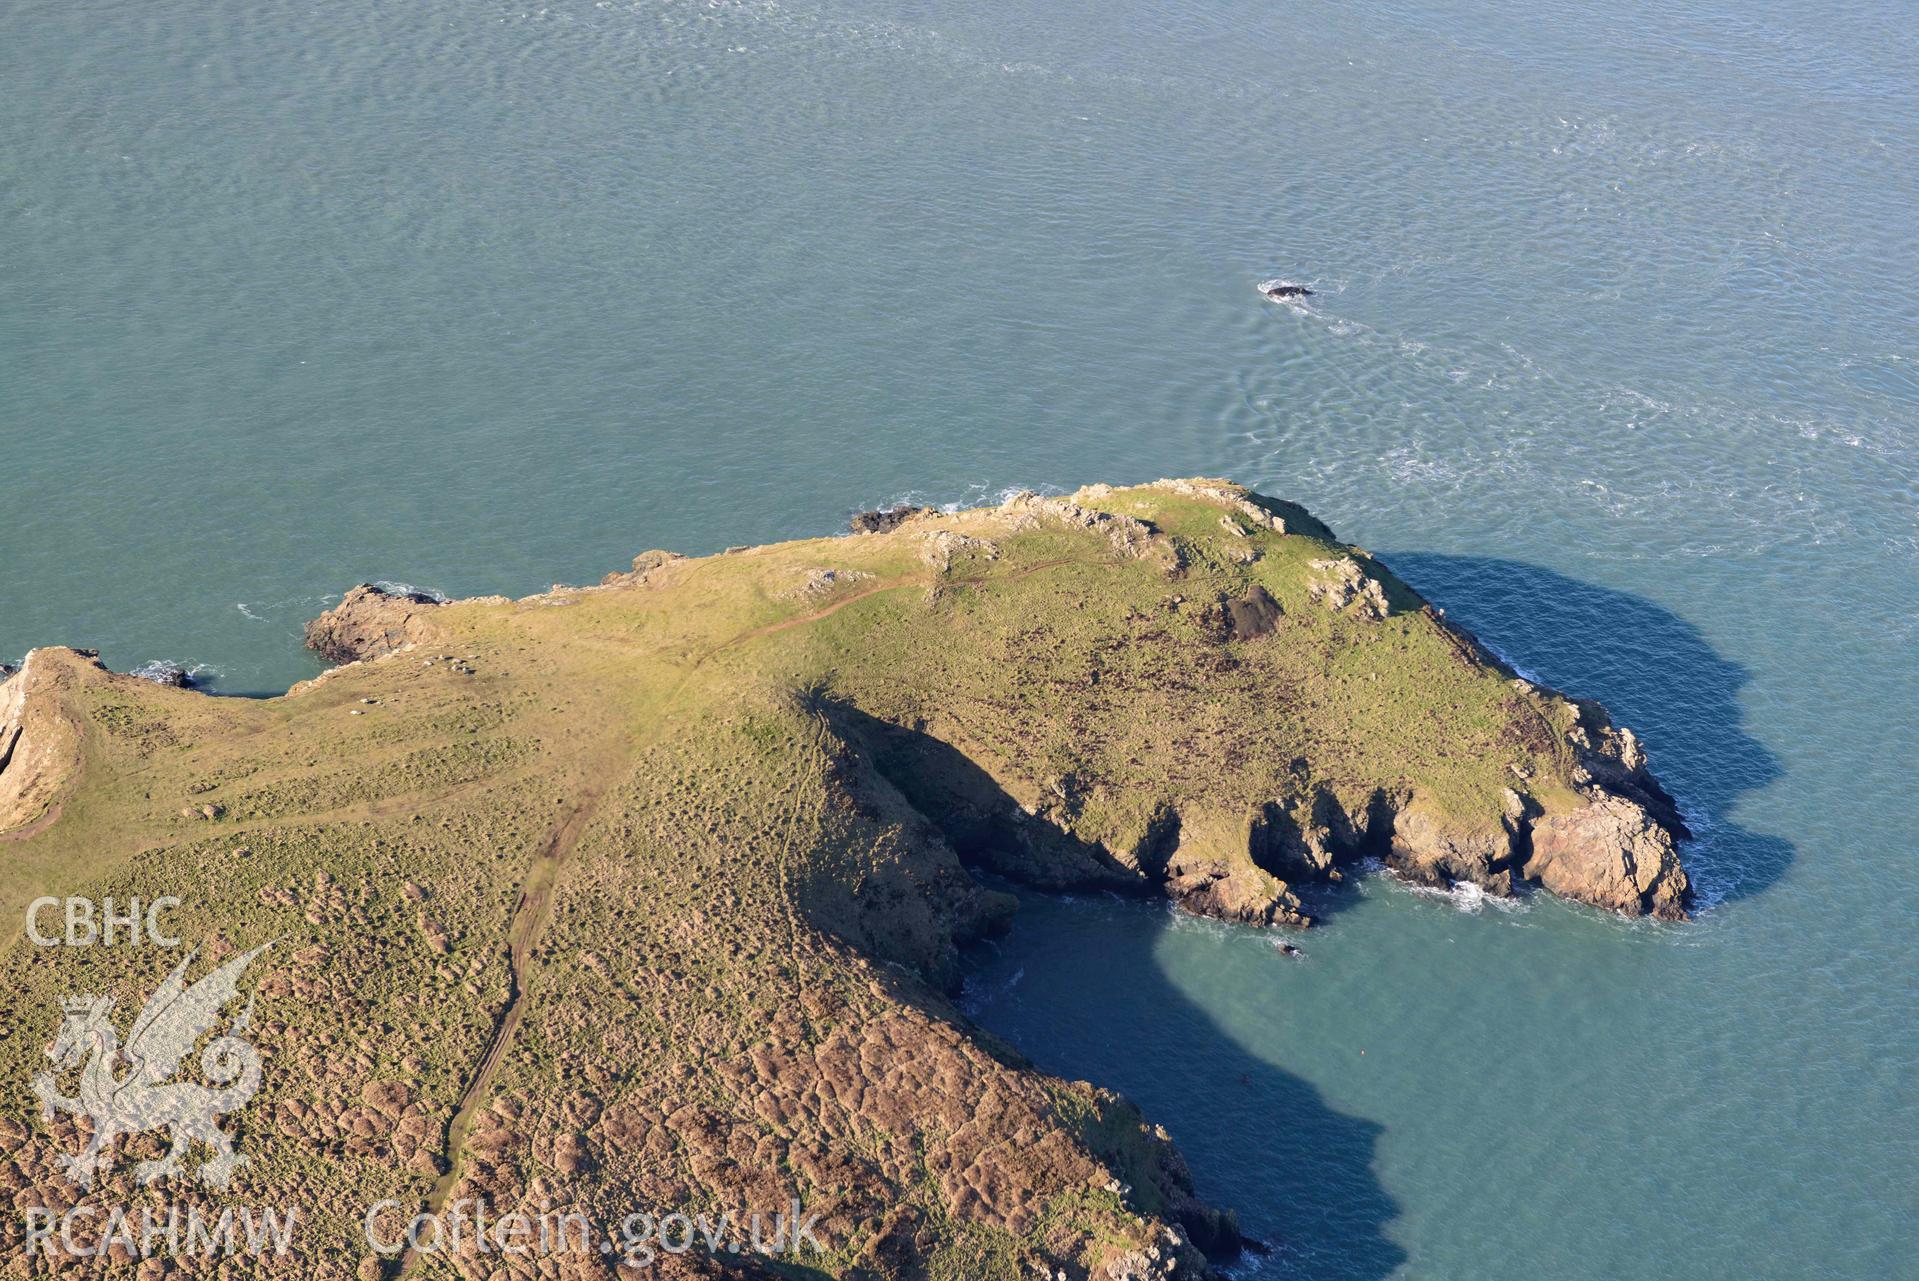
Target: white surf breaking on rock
(393, 588)
(161, 671)
(1464, 896)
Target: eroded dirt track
(530, 916)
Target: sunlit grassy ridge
(643, 896)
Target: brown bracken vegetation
(648, 897)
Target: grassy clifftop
(644, 896)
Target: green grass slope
(645, 897)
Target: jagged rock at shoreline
(164, 671)
(1612, 853)
(368, 622)
(885, 519)
(652, 892)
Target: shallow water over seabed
(1612, 351)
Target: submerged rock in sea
(1282, 290)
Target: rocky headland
(651, 893)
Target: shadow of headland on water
(1262, 1140)
(1089, 998)
(1653, 671)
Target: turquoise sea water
(1615, 353)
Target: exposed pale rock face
(645, 565)
(647, 562)
(1244, 893)
(1139, 1265)
(1219, 868)
(1226, 494)
(1344, 582)
(1610, 760)
(39, 743)
(1127, 534)
(1611, 853)
(818, 582)
(940, 546)
(370, 622)
(1434, 848)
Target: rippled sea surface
(1614, 352)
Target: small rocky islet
(651, 893)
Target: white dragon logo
(140, 1097)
